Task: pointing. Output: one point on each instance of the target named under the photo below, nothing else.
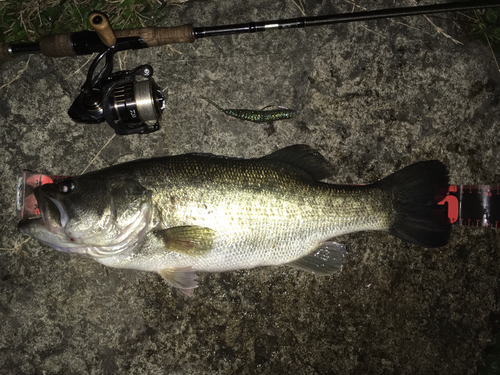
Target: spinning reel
(129, 101)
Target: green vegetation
(490, 363)
(27, 20)
(485, 27)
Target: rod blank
(301, 22)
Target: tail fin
(413, 190)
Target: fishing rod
(87, 42)
(130, 101)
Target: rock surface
(375, 96)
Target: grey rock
(374, 96)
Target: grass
(483, 25)
(27, 20)
(490, 363)
(486, 28)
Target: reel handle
(100, 24)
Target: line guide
(469, 205)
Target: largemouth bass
(177, 215)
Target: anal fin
(327, 259)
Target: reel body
(125, 103)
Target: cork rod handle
(159, 36)
(60, 45)
(4, 51)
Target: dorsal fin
(305, 158)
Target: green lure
(257, 116)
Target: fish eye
(67, 186)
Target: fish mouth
(63, 213)
(53, 215)
(48, 228)
(27, 226)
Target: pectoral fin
(327, 259)
(181, 278)
(189, 240)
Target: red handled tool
(473, 205)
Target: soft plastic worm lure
(257, 116)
